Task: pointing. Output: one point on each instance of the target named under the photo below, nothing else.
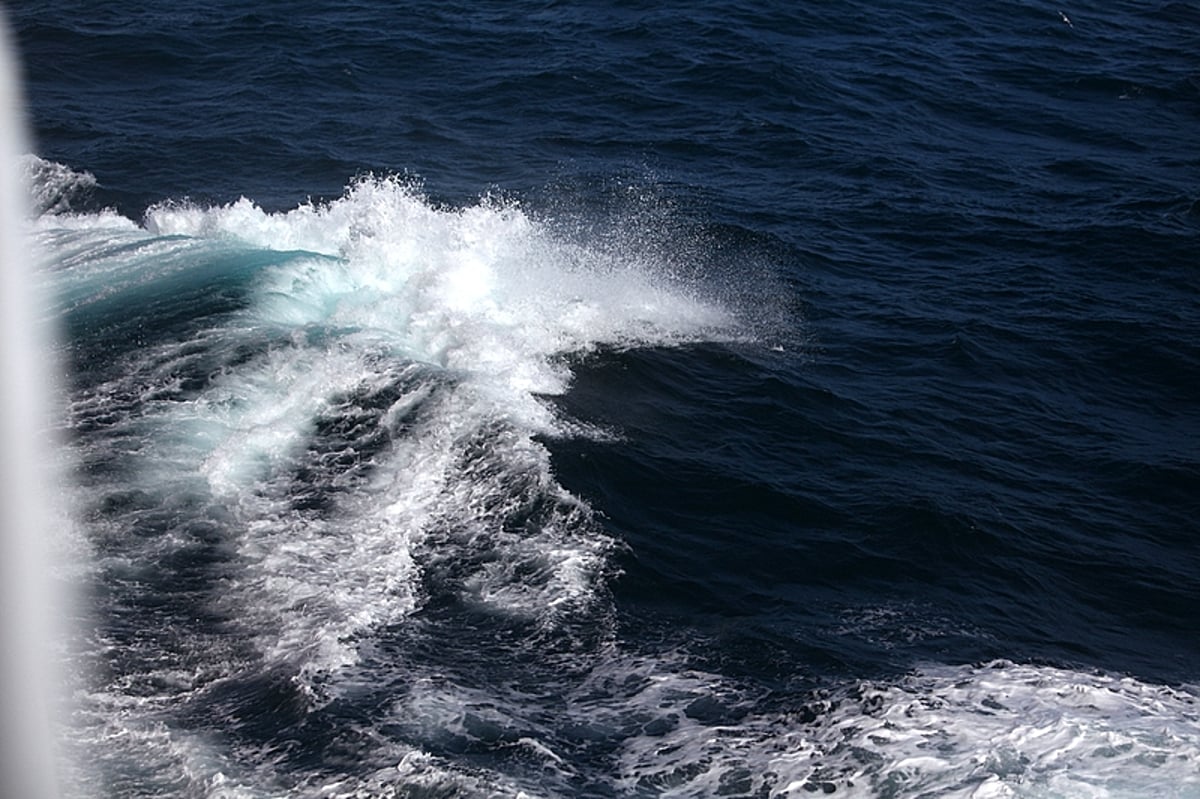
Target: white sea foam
(483, 290)
(1020, 730)
(132, 751)
(1000, 730)
(461, 318)
(965, 732)
(52, 187)
(482, 295)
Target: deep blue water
(627, 399)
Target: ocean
(543, 399)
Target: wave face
(331, 556)
(309, 436)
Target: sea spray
(301, 428)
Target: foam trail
(458, 318)
(305, 427)
(968, 732)
(26, 741)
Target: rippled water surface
(627, 400)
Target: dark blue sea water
(627, 399)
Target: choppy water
(634, 400)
